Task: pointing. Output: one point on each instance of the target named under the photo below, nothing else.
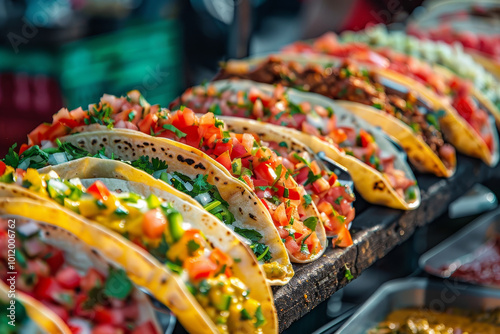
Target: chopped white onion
(203, 199)
(58, 158)
(28, 229)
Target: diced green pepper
(175, 224)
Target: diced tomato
(38, 134)
(99, 191)
(293, 193)
(222, 259)
(47, 288)
(332, 179)
(302, 176)
(68, 278)
(248, 141)
(145, 328)
(23, 148)
(265, 172)
(238, 151)
(70, 123)
(55, 259)
(365, 138)
(320, 185)
(199, 268)
(108, 316)
(280, 215)
(344, 238)
(291, 245)
(465, 107)
(186, 117)
(325, 207)
(192, 136)
(91, 279)
(222, 147)
(315, 167)
(3, 167)
(148, 123)
(225, 160)
(153, 224)
(56, 131)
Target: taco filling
(154, 225)
(347, 82)
(316, 120)
(456, 90)
(86, 302)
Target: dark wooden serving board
(378, 230)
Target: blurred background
(56, 53)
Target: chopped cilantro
(215, 109)
(311, 223)
(307, 200)
(311, 178)
(177, 132)
(117, 284)
(249, 234)
(12, 158)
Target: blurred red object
(26, 100)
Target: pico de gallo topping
(198, 188)
(456, 90)
(348, 82)
(241, 154)
(153, 224)
(277, 108)
(88, 302)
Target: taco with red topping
(67, 287)
(396, 109)
(380, 174)
(196, 267)
(478, 135)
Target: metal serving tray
(461, 247)
(419, 292)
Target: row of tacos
(206, 204)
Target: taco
(395, 111)
(29, 314)
(211, 147)
(82, 292)
(478, 135)
(198, 269)
(380, 174)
